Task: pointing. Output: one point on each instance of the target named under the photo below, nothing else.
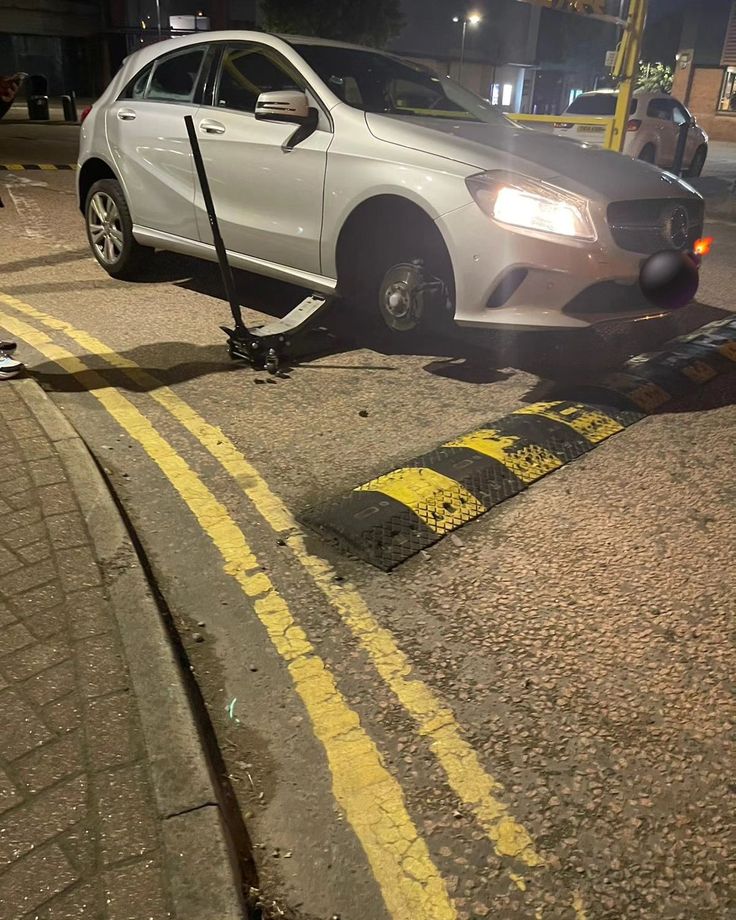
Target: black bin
(69, 104)
(37, 88)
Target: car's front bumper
(567, 284)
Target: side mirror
(285, 105)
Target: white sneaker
(9, 367)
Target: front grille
(649, 225)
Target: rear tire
(110, 232)
(648, 154)
(699, 158)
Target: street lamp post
(473, 19)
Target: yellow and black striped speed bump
(392, 517)
(19, 167)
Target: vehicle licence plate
(591, 129)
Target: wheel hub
(399, 299)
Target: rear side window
(249, 70)
(174, 77)
(137, 88)
(660, 109)
(597, 104)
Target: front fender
(435, 193)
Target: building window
(508, 88)
(495, 93)
(727, 102)
(574, 93)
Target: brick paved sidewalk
(79, 832)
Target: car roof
(639, 93)
(251, 36)
(148, 53)
(314, 40)
(286, 44)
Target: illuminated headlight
(520, 202)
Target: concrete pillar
(219, 14)
(532, 35)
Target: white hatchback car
(356, 173)
(652, 132)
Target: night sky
(429, 29)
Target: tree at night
(344, 20)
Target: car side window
(660, 109)
(247, 71)
(407, 95)
(679, 114)
(174, 77)
(137, 87)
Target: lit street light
(473, 19)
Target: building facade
(705, 70)
(522, 57)
(56, 40)
(499, 53)
(519, 56)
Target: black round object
(669, 279)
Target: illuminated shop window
(727, 102)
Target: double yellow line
(370, 796)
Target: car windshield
(381, 83)
(597, 104)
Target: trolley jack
(273, 344)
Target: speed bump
(390, 518)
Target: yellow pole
(626, 69)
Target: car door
(681, 116)
(149, 142)
(268, 197)
(662, 129)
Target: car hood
(589, 171)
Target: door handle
(126, 114)
(211, 127)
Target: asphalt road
(531, 719)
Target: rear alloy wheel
(696, 167)
(648, 154)
(110, 232)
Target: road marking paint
(370, 796)
(439, 501)
(649, 397)
(578, 906)
(18, 167)
(30, 215)
(699, 372)
(592, 424)
(529, 463)
(476, 788)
